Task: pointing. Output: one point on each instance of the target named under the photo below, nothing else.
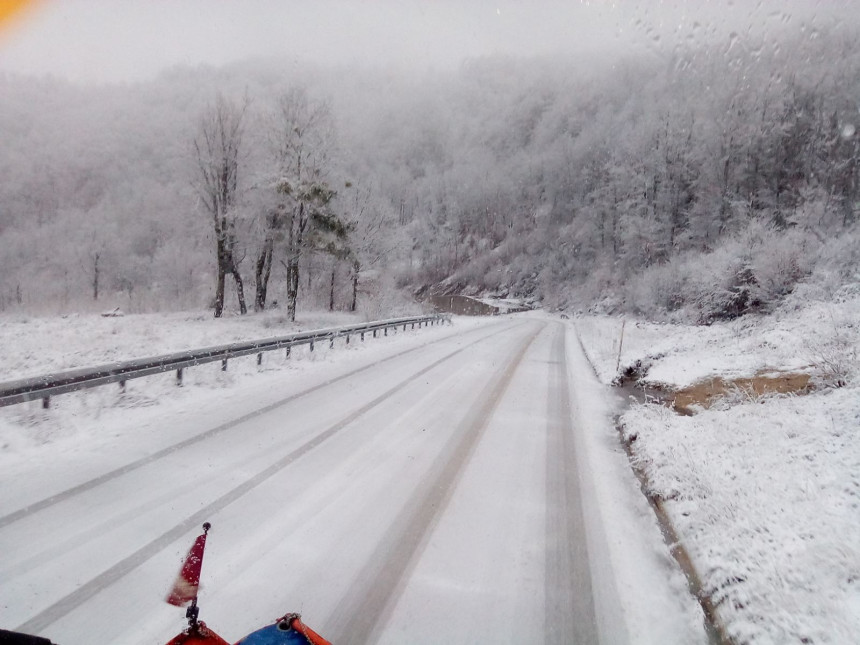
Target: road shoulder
(640, 594)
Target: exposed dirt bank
(704, 394)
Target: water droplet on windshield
(848, 130)
(733, 40)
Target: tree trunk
(294, 245)
(219, 292)
(262, 272)
(356, 267)
(96, 277)
(240, 289)
(292, 288)
(227, 264)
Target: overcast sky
(127, 40)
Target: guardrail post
(386, 331)
(347, 339)
(260, 358)
(404, 326)
(331, 342)
(223, 364)
(413, 326)
(374, 333)
(46, 402)
(289, 347)
(362, 337)
(312, 346)
(122, 387)
(179, 377)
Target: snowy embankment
(764, 490)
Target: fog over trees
(698, 185)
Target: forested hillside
(698, 184)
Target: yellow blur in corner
(11, 8)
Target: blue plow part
(274, 635)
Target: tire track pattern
(47, 502)
(569, 611)
(86, 591)
(369, 601)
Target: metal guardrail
(48, 385)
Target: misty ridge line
(699, 185)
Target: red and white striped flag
(188, 581)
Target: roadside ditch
(689, 401)
(702, 395)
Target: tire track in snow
(569, 611)
(87, 590)
(370, 599)
(58, 549)
(47, 502)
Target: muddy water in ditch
(702, 395)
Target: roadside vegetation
(761, 485)
(694, 185)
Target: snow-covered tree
(217, 147)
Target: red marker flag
(185, 588)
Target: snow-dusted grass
(765, 493)
(818, 339)
(766, 497)
(30, 346)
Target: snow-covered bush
(694, 288)
(839, 263)
(834, 353)
(751, 271)
(730, 296)
(383, 299)
(599, 292)
(781, 260)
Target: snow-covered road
(424, 489)
(429, 497)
